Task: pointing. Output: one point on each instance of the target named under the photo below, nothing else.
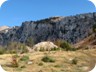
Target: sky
(14, 12)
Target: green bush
(64, 45)
(48, 59)
(24, 58)
(73, 49)
(74, 61)
(55, 49)
(40, 64)
(58, 66)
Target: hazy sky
(14, 12)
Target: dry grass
(63, 61)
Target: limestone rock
(71, 28)
(44, 46)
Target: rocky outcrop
(44, 46)
(72, 29)
(8, 35)
(3, 28)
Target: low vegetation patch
(14, 48)
(74, 61)
(55, 49)
(18, 61)
(40, 64)
(30, 42)
(15, 62)
(64, 45)
(58, 66)
(48, 59)
(24, 58)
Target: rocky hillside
(72, 29)
(3, 28)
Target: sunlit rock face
(46, 46)
(3, 28)
(72, 29)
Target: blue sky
(14, 12)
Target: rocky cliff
(3, 28)
(72, 29)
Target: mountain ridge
(71, 28)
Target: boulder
(44, 46)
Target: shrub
(23, 48)
(25, 58)
(48, 59)
(40, 64)
(58, 66)
(74, 61)
(23, 66)
(73, 49)
(55, 49)
(16, 47)
(30, 42)
(64, 45)
(14, 62)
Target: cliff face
(72, 29)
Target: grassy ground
(71, 61)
